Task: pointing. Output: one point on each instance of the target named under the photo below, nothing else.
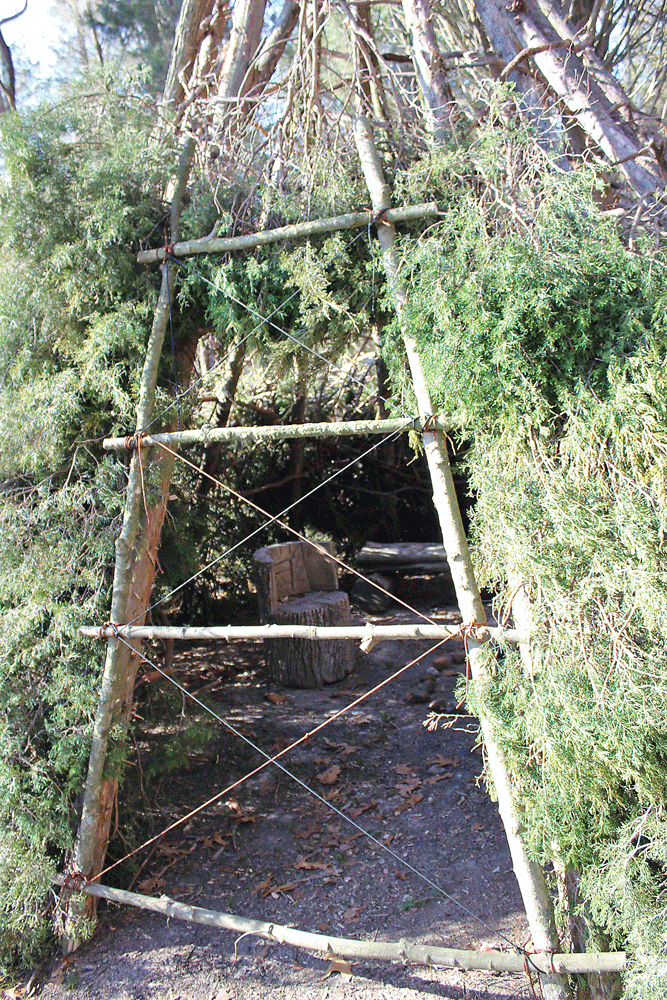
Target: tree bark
(582, 92)
(136, 560)
(536, 898)
(436, 95)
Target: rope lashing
(429, 423)
(526, 969)
(477, 632)
(114, 630)
(134, 442)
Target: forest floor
(271, 851)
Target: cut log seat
(388, 560)
(297, 585)
(406, 557)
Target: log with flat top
(298, 585)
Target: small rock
(445, 705)
(459, 656)
(429, 672)
(417, 697)
(440, 663)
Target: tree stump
(310, 663)
(298, 585)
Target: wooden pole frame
(91, 835)
(529, 875)
(404, 951)
(369, 634)
(276, 432)
(353, 220)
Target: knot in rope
(135, 441)
(473, 630)
(113, 626)
(377, 218)
(74, 880)
(526, 969)
(168, 247)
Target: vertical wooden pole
(133, 579)
(536, 898)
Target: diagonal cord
(271, 520)
(322, 800)
(263, 320)
(202, 378)
(244, 305)
(277, 520)
(286, 750)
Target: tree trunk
(303, 663)
(214, 451)
(582, 92)
(537, 901)
(436, 95)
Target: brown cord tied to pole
(114, 629)
(75, 880)
(429, 423)
(529, 977)
(477, 632)
(379, 217)
(133, 442)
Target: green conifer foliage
(79, 185)
(547, 339)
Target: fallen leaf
(352, 915)
(329, 776)
(264, 951)
(358, 810)
(409, 803)
(323, 928)
(345, 749)
(149, 885)
(407, 787)
(304, 865)
(478, 826)
(443, 761)
(263, 887)
(437, 777)
(286, 887)
(403, 769)
(308, 832)
(276, 699)
(341, 966)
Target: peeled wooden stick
(388, 951)
(353, 220)
(367, 633)
(529, 875)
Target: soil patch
(272, 851)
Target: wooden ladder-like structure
(537, 901)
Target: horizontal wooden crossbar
(369, 634)
(389, 951)
(353, 220)
(279, 432)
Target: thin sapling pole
(536, 898)
(95, 816)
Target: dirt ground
(271, 851)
